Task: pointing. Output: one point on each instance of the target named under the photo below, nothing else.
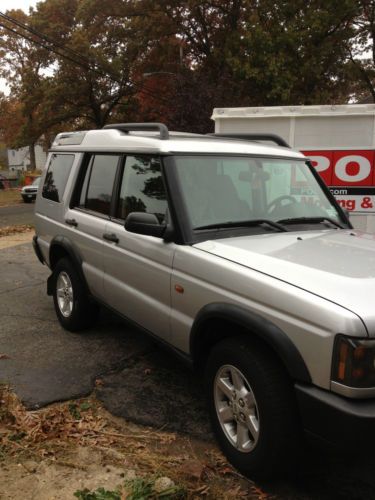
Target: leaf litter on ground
(198, 469)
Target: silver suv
(234, 254)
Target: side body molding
(202, 336)
(62, 246)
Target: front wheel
(73, 307)
(252, 408)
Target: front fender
(201, 337)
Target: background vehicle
(339, 140)
(236, 256)
(29, 192)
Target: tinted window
(97, 187)
(142, 188)
(57, 176)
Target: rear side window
(97, 187)
(57, 176)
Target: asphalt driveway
(133, 377)
(44, 363)
(12, 215)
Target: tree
(23, 63)
(295, 52)
(361, 51)
(94, 63)
(243, 52)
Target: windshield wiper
(309, 220)
(243, 223)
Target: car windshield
(36, 182)
(225, 190)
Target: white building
(19, 159)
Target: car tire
(252, 408)
(74, 309)
(26, 200)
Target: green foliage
(17, 436)
(134, 489)
(74, 411)
(99, 494)
(85, 406)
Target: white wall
(19, 159)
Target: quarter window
(142, 188)
(57, 176)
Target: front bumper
(341, 421)
(29, 196)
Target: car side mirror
(143, 223)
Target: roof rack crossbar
(255, 137)
(141, 127)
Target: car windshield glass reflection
(225, 190)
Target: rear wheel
(73, 307)
(252, 408)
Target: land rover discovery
(233, 253)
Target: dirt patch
(10, 197)
(73, 446)
(15, 235)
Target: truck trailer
(339, 141)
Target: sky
(14, 4)
(17, 4)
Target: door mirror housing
(144, 223)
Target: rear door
(137, 268)
(90, 212)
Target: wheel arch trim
(255, 325)
(65, 243)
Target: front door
(137, 268)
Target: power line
(87, 65)
(42, 36)
(48, 47)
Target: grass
(10, 197)
(145, 488)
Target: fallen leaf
(193, 469)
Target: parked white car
(29, 192)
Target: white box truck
(339, 140)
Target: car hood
(338, 265)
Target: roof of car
(110, 140)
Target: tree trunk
(32, 157)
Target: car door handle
(71, 222)
(111, 237)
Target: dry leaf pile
(20, 228)
(85, 423)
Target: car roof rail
(140, 127)
(254, 137)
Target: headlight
(354, 362)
